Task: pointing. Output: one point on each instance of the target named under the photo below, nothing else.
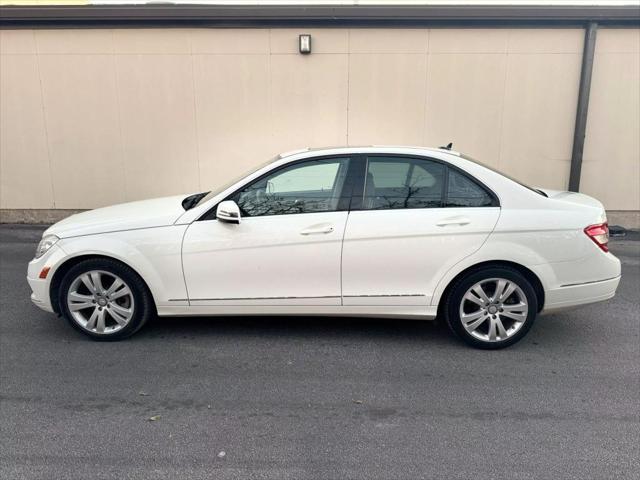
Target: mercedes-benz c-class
(403, 232)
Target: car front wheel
(105, 299)
(491, 308)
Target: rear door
(411, 220)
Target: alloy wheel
(100, 302)
(494, 309)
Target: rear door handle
(317, 230)
(453, 221)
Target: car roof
(391, 149)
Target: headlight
(45, 244)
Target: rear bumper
(580, 294)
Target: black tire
(143, 304)
(461, 287)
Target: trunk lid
(573, 198)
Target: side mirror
(228, 211)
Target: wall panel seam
(272, 133)
(116, 86)
(44, 120)
(503, 98)
(348, 85)
(195, 112)
(426, 90)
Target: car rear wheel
(491, 308)
(105, 299)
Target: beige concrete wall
(611, 165)
(93, 117)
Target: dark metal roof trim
(104, 16)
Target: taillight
(599, 234)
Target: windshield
(220, 189)
(539, 192)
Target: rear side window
(464, 192)
(408, 182)
(396, 182)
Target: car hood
(156, 212)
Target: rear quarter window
(464, 192)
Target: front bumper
(40, 286)
(40, 293)
(42, 304)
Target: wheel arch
(69, 263)
(533, 279)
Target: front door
(285, 251)
(413, 220)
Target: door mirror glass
(228, 211)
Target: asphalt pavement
(317, 398)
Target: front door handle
(453, 221)
(317, 230)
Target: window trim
(344, 198)
(358, 201)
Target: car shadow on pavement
(549, 330)
(298, 327)
(553, 331)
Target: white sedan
(372, 231)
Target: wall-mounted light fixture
(304, 43)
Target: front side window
(396, 182)
(306, 187)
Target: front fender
(154, 253)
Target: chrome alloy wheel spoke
(120, 314)
(504, 289)
(100, 302)
(479, 292)
(96, 321)
(472, 321)
(124, 290)
(502, 333)
(88, 282)
(518, 317)
(78, 301)
(494, 309)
